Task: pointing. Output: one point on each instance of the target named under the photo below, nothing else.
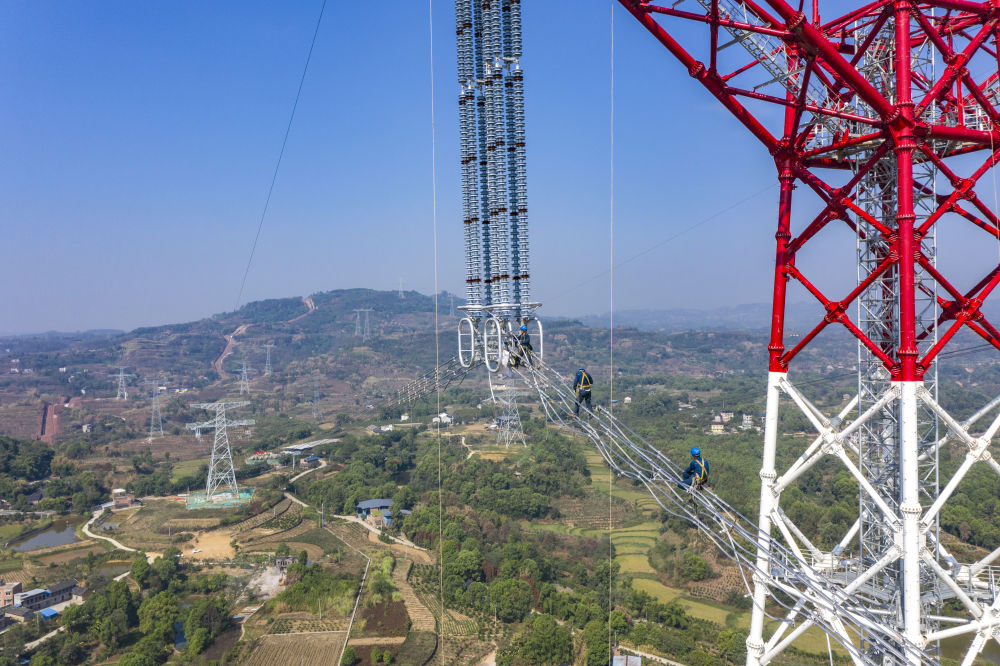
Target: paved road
(371, 528)
(322, 464)
(86, 530)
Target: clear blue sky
(138, 141)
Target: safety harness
(584, 381)
(702, 476)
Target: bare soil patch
(385, 619)
(213, 545)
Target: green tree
(512, 599)
(349, 657)
(141, 569)
(135, 659)
(113, 628)
(694, 567)
(595, 635)
(157, 615)
(546, 642)
(198, 641)
(733, 645)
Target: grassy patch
(11, 565)
(417, 649)
(658, 590)
(187, 468)
(637, 563)
(321, 538)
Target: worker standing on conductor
(581, 386)
(524, 347)
(696, 474)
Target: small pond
(60, 533)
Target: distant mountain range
(747, 317)
(751, 317)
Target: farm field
(303, 649)
(187, 468)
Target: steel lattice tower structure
(316, 412)
(267, 363)
(886, 115)
(122, 384)
(221, 472)
(244, 378)
(155, 420)
(362, 324)
(505, 394)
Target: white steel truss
(905, 515)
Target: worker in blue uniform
(696, 474)
(522, 347)
(581, 386)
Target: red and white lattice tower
(886, 116)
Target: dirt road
(217, 363)
(308, 301)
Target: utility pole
(401, 294)
(221, 472)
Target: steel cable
(821, 601)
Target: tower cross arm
(204, 425)
(241, 422)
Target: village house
(7, 592)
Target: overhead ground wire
(663, 242)
(281, 154)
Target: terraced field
(303, 649)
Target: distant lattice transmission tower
(122, 384)
(155, 420)
(244, 378)
(362, 324)
(509, 430)
(267, 363)
(316, 412)
(221, 473)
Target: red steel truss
(834, 121)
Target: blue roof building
(376, 511)
(48, 613)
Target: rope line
(611, 341)
(281, 154)
(437, 328)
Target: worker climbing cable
(581, 386)
(696, 474)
